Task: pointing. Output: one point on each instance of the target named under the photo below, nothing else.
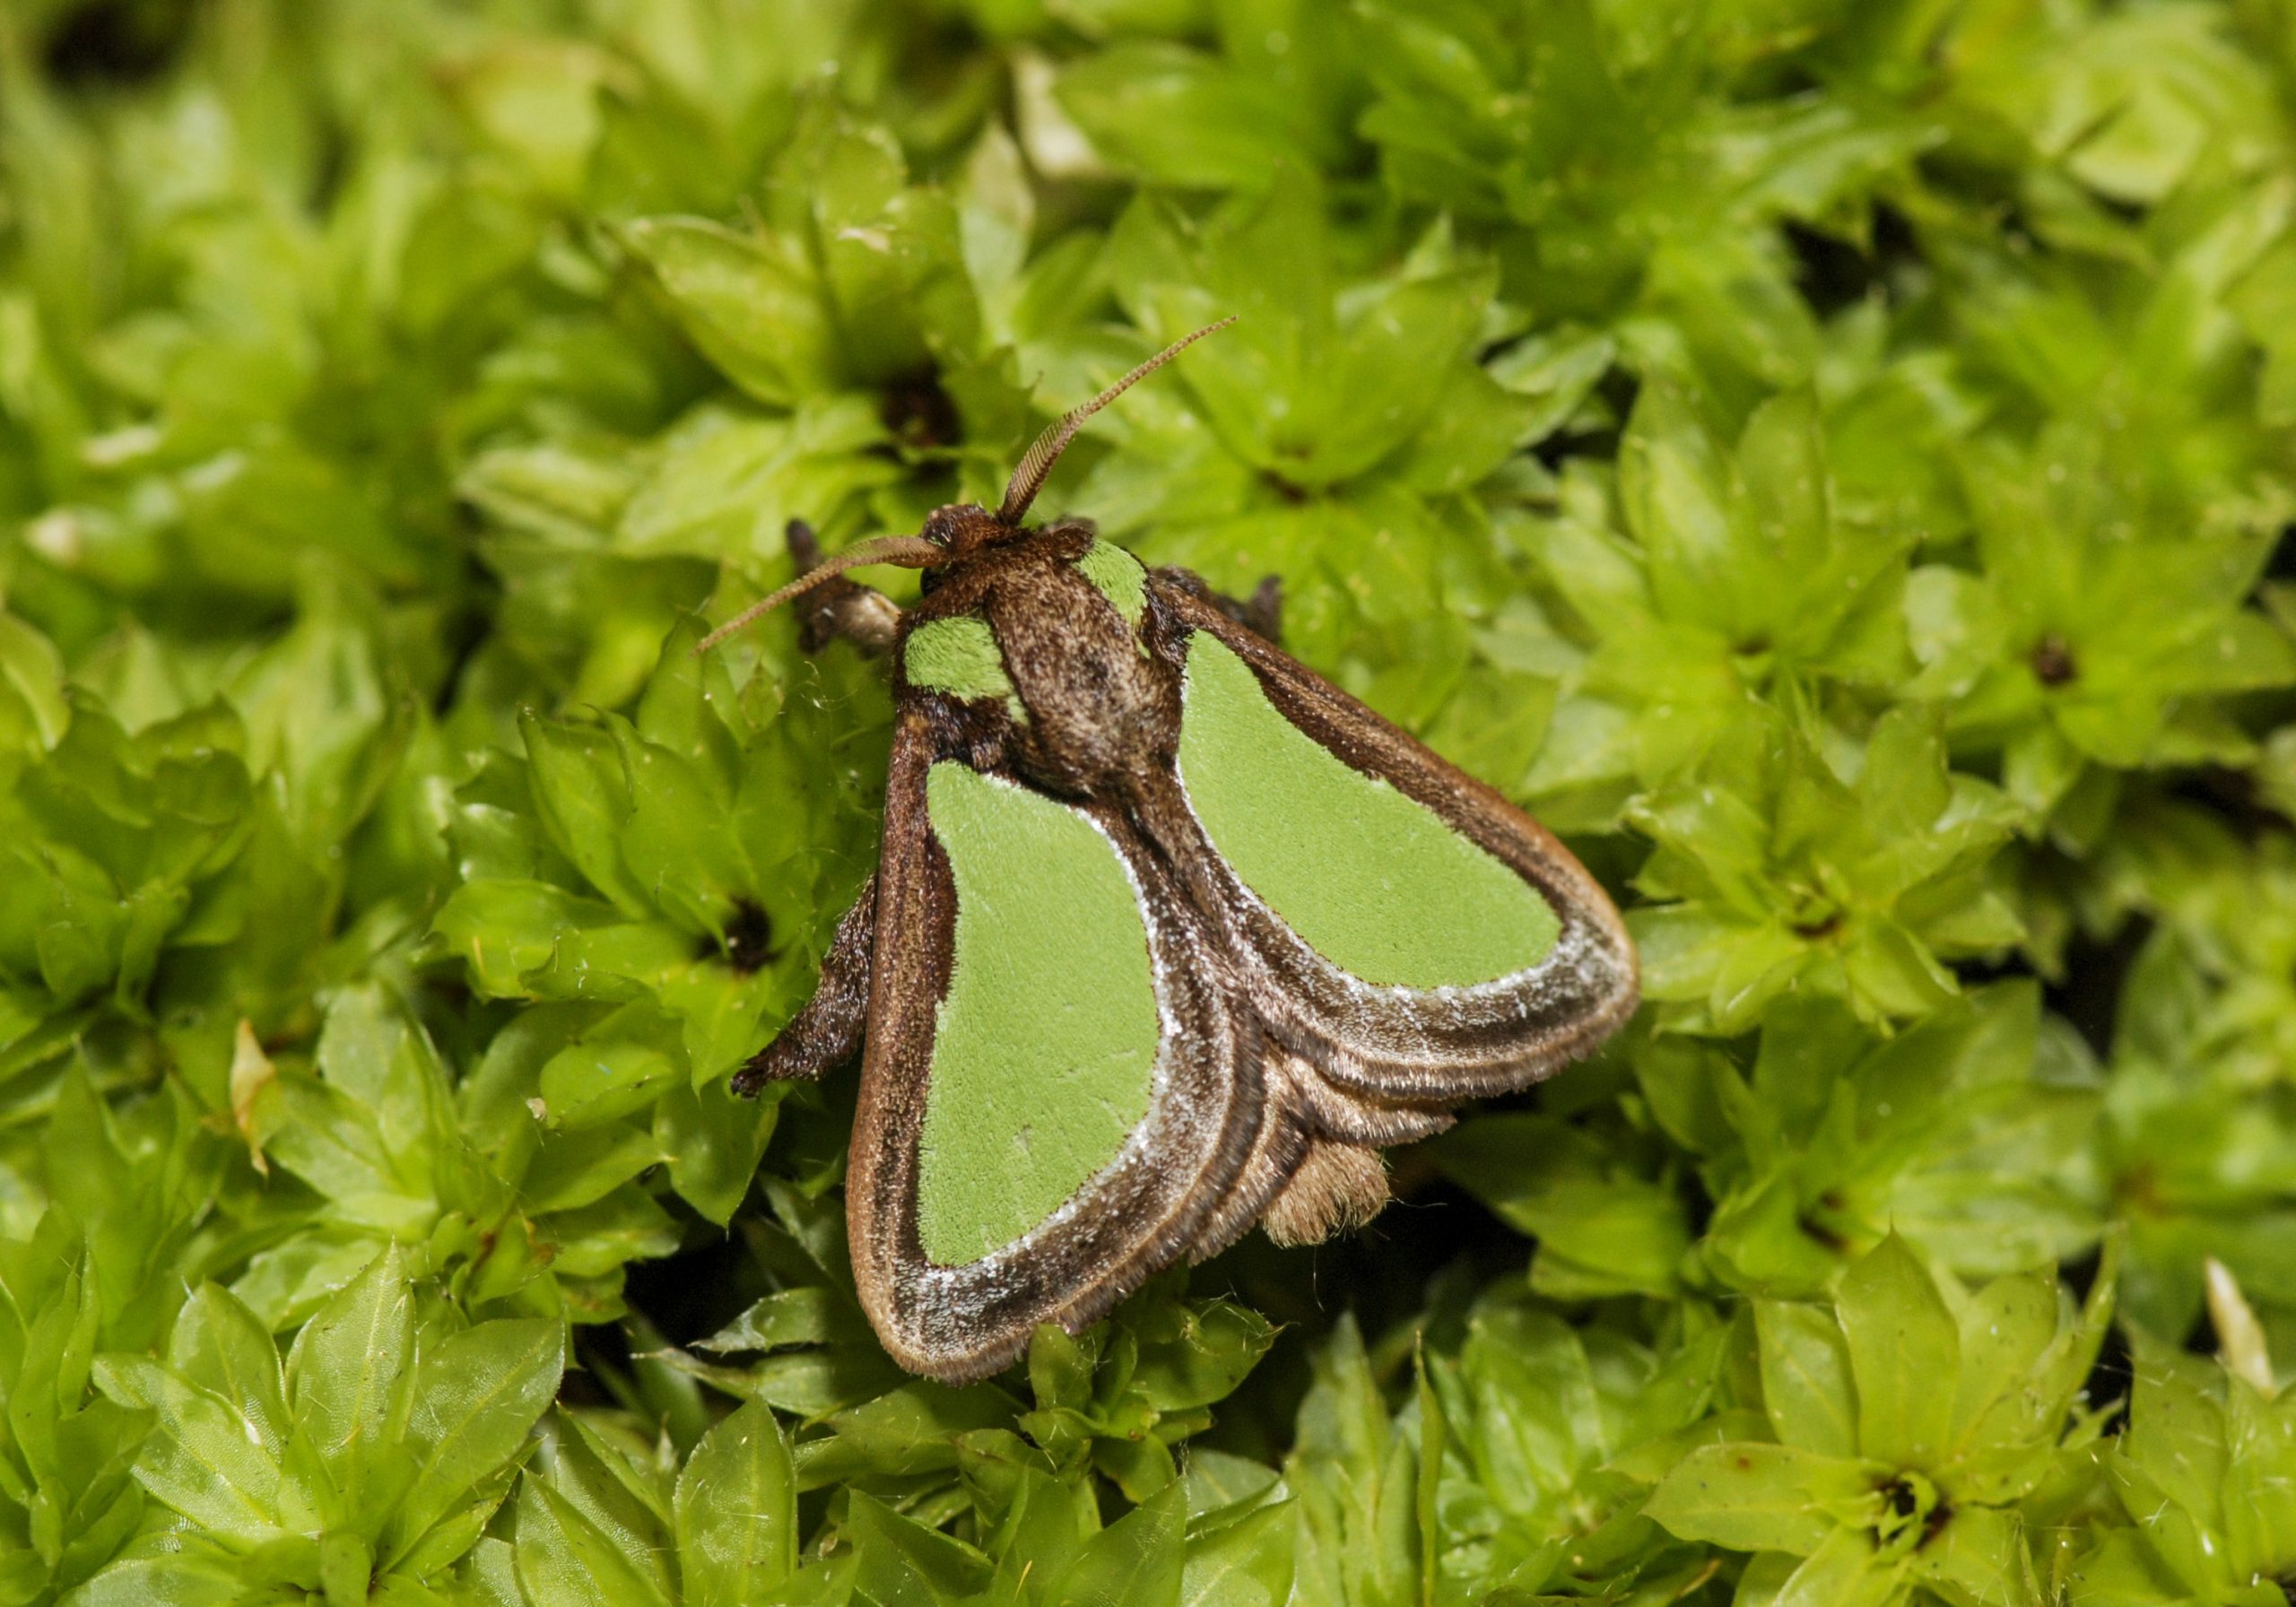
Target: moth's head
(961, 529)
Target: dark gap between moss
(117, 43)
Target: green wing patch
(1046, 1042)
(960, 657)
(1369, 878)
(1120, 577)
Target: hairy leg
(828, 1029)
(838, 607)
(1261, 613)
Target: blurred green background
(1829, 458)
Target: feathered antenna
(1030, 477)
(909, 552)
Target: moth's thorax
(1036, 645)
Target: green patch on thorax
(1119, 576)
(1372, 879)
(1046, 1042)
(961, 657)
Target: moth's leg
(828, 1030)
(838, 607)
(1261, 613)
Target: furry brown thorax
(1099, 699)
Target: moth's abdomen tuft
(1336, 1186)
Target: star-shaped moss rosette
(865, 332)
(138, 795)
(1971, 1129)
(1604, 1200)
(1263, 459)
(657, 878)
(129, 1229)
(1716, 578)
(1010, 1472)
(605, 1507)
(1120, 1402)
(2082, 640)
(1549, 1437)
(602, 1509)
(1127, 1400)
(1636, 190)
(849, 277)
(111, 836)
(375, 1142)
(2150, 319)
(181, 831)
(1914, 1437)
(1774, 873)
(67, 1451)
(838, 286)
(2205, 1475)
(2133, 107)
(2193, 1144)
(2222, 963)
(1276, 86)
(321, 1475)
(2199, 1162)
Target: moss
(1826, 460)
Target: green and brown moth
(1169, 936)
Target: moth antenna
(1030, 477)
(909, 552)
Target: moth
(1169, 936)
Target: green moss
(1830, 460)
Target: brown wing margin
(1387, 1051)
(1146, 1208)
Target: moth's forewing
(1399, 926)
(1054, 1096)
